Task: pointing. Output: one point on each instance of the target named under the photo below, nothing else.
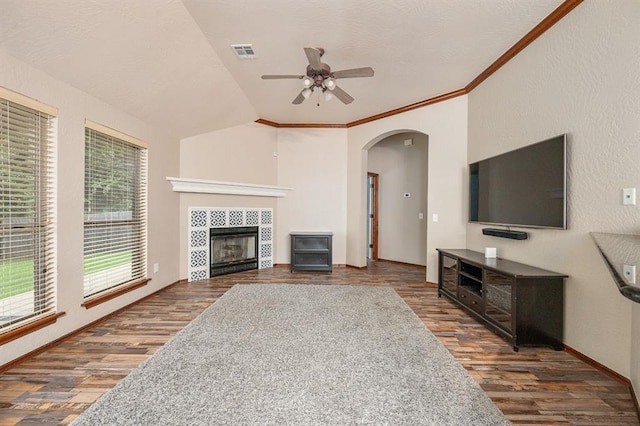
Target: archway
(400, 161)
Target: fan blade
(298, 99)
(342, 95)
(354, 72)
(313, 55)
(281, 76)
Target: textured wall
(327, 169)
(314, 163)
(310, 161)
(445, 124)
(582, 78)
(242, 154)
(74, 107)
(237, 154)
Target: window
(115, 210)
(27, 208)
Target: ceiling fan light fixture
(306, 93)
(327, 95)
(319, 74)
(330, 83)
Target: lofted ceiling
(169, 62)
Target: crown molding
(300, 125)
(555, 16)
(420, 104)
(400, 110)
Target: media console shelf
(522, 303)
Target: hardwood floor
(533, 386)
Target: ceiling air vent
(244, 51)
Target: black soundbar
(503, 233)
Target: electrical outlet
(629, 272)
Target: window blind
(115, 211)
(27, 209)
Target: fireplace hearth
(233, 249)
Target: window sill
(108, 295)
(30, 327)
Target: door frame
(373, 214)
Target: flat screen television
(526, 187)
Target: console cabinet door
(499, 306)
(449, 274)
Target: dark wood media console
(522, 303)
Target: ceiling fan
(319, 76)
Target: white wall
(318, 165)
(310, 161)
(241, 154)
(445, 123)
(314, 163)
(581, 77)
(402, 234)
(74, 107)
(237, 154)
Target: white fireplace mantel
(228, 188)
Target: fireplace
(202, 219)
(233, 249)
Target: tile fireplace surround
(201, 219)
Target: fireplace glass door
(233, 249)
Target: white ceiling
(169, 62)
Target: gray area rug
(299, 355)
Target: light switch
(629, 196)
(435, 217)
(420, 216)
